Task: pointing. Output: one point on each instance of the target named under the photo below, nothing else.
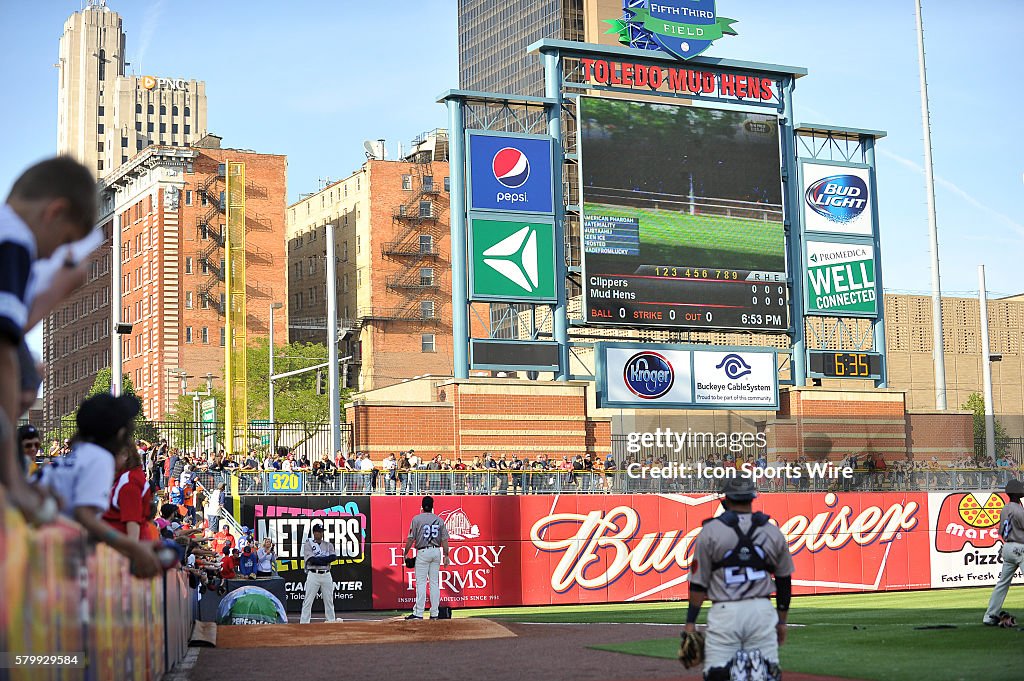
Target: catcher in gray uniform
(735, 556)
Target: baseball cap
(1015, 487)
(27, 432)
(317, 527)
(740, 488)
(101, 416)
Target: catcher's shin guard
(750, 665)
(717, 673)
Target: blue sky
(313, 80)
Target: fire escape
(415, 245)
(208, 229)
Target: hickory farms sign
(609, 539)
(696, 82)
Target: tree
(144, 429)
(976, 403)
(295, 398)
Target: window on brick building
(188, 264)
(188, 197)
(359, 244)
(138, 108)
(204, 335)
(188, 300)
(427, 309)
(344, 284)
(426, 209)
(426, 243)
(150, 109)
(174, 110)
(447, 184)
(428, 183)
(204, 301)
(188, 334)
(407, 182)
(426, 276)
(222, 336)
(427, 342)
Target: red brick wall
(947, 437)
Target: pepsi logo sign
(838, 198)
(511, 167)
(648, 375)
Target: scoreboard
(682, 217)
(864, 365)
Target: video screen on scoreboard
(682, 216)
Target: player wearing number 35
(736, 554)
(430, 537)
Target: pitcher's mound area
(358, 632)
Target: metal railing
(635, 481)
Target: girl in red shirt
(131, 498)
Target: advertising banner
(512, 260)
(841, 278)
(510, 172)
(966, 547)
(287, 520)
(837, 199)
(531, 550)
(664, 376)
(646, 376)
(736, 379)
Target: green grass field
(669, 237)
(856, 636)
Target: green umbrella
(251, 605)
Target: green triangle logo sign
(515, 258)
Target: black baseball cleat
(413, 617)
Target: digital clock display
(846, 364)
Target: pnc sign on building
(152, 82)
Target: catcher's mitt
(410, 562)
(691, 649)
(1006, 620)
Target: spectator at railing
(369, 473)
(402, 472)
(266, 557)
(131, 498)
(83, 479)
(214, 504)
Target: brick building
(169, 200)
(393, 266)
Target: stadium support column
(796, 261)
(878, 325)
(332, 341)
(460, 257)
(553, 90)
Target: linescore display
(682, 217)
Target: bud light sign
(510, 173)
(837, 199)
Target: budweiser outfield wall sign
(532, 550)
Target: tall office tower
(494, 35)
(105, 117)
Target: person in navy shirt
(248, 562)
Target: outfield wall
(540, 550)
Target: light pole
(332, 341)
(270, 374)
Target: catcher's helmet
(1015, 487)
(740, 488)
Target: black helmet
(740, 488)
(1015, 487)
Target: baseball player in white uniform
(1011, 528)
(318, 556)
(430, 537)
(735, 556)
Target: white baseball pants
(1013, 560)
(322, 583)
(428, 570)
(735, 625)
